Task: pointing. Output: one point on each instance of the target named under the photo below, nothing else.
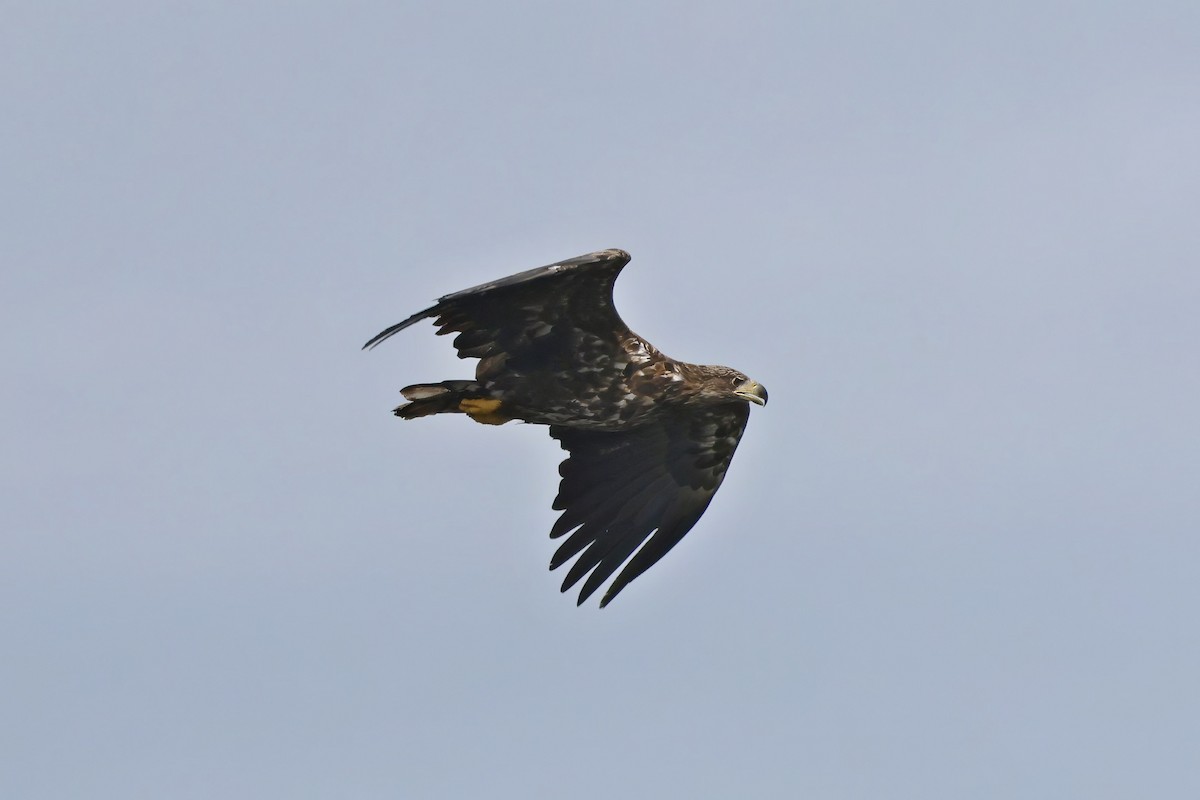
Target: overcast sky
(958, 556)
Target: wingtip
(615, 253)
(392, 330)
(586, 592)
(579, 600)
(378, 338)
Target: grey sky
(955, 557)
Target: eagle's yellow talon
(484, 410)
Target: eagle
(648, 438)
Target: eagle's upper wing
(619, 487)
(506, 315)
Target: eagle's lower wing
(643, 487)
(511, 317)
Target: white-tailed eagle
(649, 438)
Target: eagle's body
(650, 437)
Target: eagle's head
(722, 384)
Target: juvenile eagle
(649, 438)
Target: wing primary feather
(669, 534)
(601, 518)
(630, 526)
(388, 333)
(578, 508)
(634, 535)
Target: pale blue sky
(957, 556)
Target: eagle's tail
(450, 397)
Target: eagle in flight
(649, 438)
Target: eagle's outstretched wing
(619, 487)
(508, 315)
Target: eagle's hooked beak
(753, 391)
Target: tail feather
(435, 398)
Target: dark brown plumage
(649, 438)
